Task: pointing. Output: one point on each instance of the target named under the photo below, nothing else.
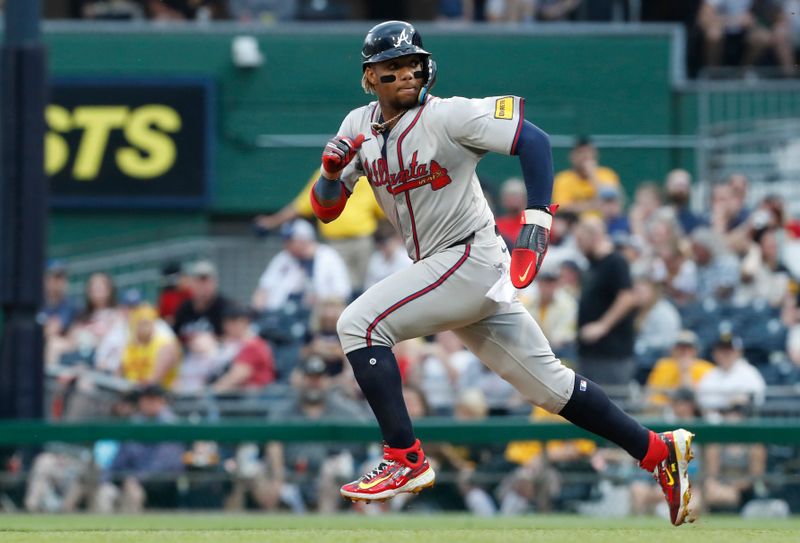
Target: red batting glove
(338, 153)
(531, 246)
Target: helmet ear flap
(430, 80)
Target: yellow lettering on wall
(152, 153)
(56, 148)
(97, 122)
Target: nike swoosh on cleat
(365, 486)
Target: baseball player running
(419, 153)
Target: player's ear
(372, 77)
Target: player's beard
(405, 103)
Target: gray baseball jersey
(423, 172)
(423, 176)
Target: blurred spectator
(466, 461)
(657, 321)
(512, 11)
(557, 10)
(262, 11)
(562, 243)
(203, 311)
(751, 25)
(58, 312)
(733, 472)
(576, 189)
(323, 340)
(605, 309)
(58, 480)
(149, 357)
(733, 381)
(304, 271)
(538, 483)
(682, 370)
(390, 255)
(181, 10)
(569, 277)
(114, 10)
(174, 291)
(678, 187)
(203, 360)
(108, 355)
(646, 202)
(252, 365)
(96, 319)
(727, 205)
(764, 277)
(350, 234)
(676, 270)
(441, 371)
(142, 466)
(790, 314)
(611, 209)
(717, 269)
(554, 309)
(457, 10)
(304, 475)
(513, 198)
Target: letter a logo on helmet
(391, 39)
(402, 38)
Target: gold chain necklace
(380, 127)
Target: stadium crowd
(745, 34)
(680, 314)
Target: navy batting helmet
(391, 39)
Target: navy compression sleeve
(328, 192)
(536, 159)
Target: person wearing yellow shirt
(576, 189)
(149, 357)
(350, 234)
(682, 369)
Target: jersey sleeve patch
(504, 108)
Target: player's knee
(349, 328)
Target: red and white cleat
(402, 470)
(672, 474)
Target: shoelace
(374, 473)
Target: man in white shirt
(305, 271)
(733, 382)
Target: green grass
(221, 528)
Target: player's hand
(531, 246)
(338, 153)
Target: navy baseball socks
(404, 468)
(378, 375)
(590, 408)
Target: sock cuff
(411, 457)
(656, 452)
